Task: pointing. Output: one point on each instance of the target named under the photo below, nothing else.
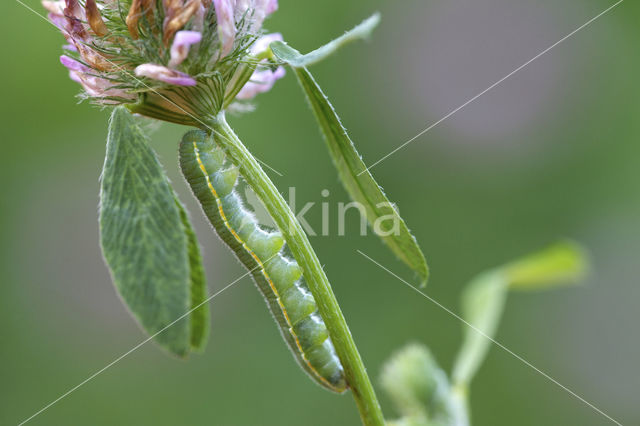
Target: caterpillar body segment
(260, 250)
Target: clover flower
(174, 60)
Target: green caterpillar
(260, 250)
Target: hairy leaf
(358, 181)
(295, 59)
(382, 215)
(146, 240)
(198, 288)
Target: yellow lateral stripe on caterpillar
(280, 280)
(262, 269)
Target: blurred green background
(552, 152)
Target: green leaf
(198, 288)
(415, 383)
(382, 215)
(295, 59)
(561, 264)
(417, 420)
(484, 298)
(146, 240)
(482, 305)
(359, 183)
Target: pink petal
(272, 6)
(75, 77)
(100, 88)
(226, 24)
(164, 74)
(261, 81)
(263, 42)
(58, 20)
(262, 9)
(181, 44)
(54, 6)
(73, 65)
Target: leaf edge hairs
(279, 279)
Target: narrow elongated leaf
(198, 288)
(359, 183)
(484, 298)
(295, 59)
(561, 264)
(146, 240)
(482, 305)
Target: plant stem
(314, 275)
